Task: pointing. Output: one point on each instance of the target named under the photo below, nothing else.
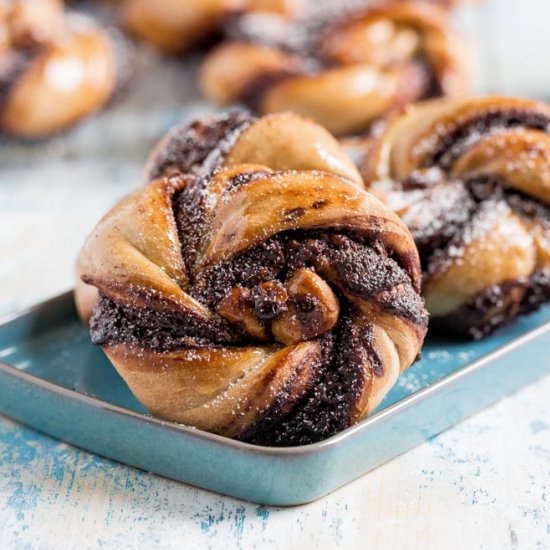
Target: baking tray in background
(53, 379)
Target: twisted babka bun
(344, 70)
(177, 25)
(254, 289)
(471, 179)
(55, 68)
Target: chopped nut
(269, 300)
(237, 306)
(313, 309)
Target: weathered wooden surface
(484, 484)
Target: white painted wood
(511, 41)
(484, 484)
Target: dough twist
(471, 179)
(254, 289)
(55, 68)
(343, 71)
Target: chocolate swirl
(55, 68)
(343, 69)
(268, 302)
(471, 180)
(177, 26)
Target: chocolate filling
(441, 211)
(454, 142)
(113, 323)
(199, 147)
(443, 208)
(359, 269)
(495, 308)
(267, 304)
(257, 265)
(188, 207)
(331, 404)
(191, 210)
(537, 292)
(448, 214)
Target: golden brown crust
(218, 390)
(498, 149)
(282, 141)
(60, 69)
(288, 8)
(350, 72)
(148, 257)
(255, 351)
(25, 24)
(259, 210)
(173, 25)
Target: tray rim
(279, 452)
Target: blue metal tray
(53, 379)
